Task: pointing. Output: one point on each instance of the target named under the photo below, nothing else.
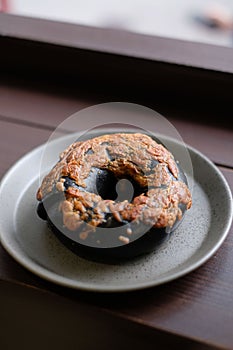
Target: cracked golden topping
(134, 156)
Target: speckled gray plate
(28, 241)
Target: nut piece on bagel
(78, 197)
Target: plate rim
(50, 276)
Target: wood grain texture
(46, 316)
(216, 142)
(16, 140)
(46, 108)
(38, 105)
(111, 40)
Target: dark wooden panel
(43, 107)
(115, 72)
(16, 140)
(58, 323)
(123, 42)
(216, 142)
(48, 107)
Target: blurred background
(193, 20)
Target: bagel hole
(105, 184)
(117, 189)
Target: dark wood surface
(198, 306)
(108, 40)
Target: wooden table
(195, 311)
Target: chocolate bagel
(78, 197)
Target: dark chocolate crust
(160, 203)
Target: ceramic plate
(27, 239)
